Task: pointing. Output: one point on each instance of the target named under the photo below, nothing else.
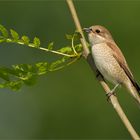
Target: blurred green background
(70, 103)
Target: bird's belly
(107, 64)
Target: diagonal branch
(88, 57)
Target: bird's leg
(97, 73)
(111, 92)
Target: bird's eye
(97, 31)
(90, 29)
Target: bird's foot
(98, 74)
(109, 94)
(112, 92)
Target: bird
(110, 61)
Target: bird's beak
(88, 30)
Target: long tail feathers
(137, 87)
(134, 90)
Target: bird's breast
(106, 63)
(102, 54)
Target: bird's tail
(134, 90)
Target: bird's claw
(109, 94)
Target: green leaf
(24, 71)
(2, 40)
(14, 34)
(50, 46)
(9, 71)
(4, 75)
(78, 47)
(69, 37)
(23, 67)
(14, 85)
(77, 35)
(25, 39)
(31, 80)
(55, 64)
(66, 50)
(58, 64)
(4, 31)
(41, 67)
(36, 42)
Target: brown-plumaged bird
(110, 61)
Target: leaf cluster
(26, 74)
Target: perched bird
(110, 61)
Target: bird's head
(98, 34)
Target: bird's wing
(117, 54)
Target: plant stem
(90, 60)
(44, 49)
(72, 44)
(57, 52)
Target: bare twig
(90, 60)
